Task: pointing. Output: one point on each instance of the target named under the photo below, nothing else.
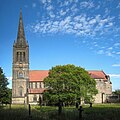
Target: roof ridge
(95, 70)
(38, 70)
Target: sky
(85, 33)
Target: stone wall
(18, 100)
(104, 90)
(34, 98)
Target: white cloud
(88, 5)
(110, 24)
(76, 1)
(116, 44)
(118, 53)
(100, 52)
(74, 8)
(116, 65)
(107, 11)
(52, 15)
(114, 75)
(9, 78)
(106, 51)
(98, 17)
(78, 24)
(34, 5)
(62, 13)
(92, 21)
(50, 7)
(77, 18)
(43, 1)
(103, 22)
(110, 48)
(118, 6)
(70, 18)
(65, 3)
(109, 53)
(49, 1)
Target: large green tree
(5, 92)
(116, 92)
(69, 83)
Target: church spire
(21, 33)
(21, 40)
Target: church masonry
(20, 67)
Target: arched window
(20, 90)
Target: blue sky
(85, 33)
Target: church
(28, 85)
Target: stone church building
(28, 86)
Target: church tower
(20, 67)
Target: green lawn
(97, 112)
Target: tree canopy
(69, 83)
(5, 92)
(116, 92)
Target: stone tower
(20, 67)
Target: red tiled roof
(97, 74)
(37, 75)
(36, 90)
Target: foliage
(116, 92)
(9, 97)
(5, 93)
(69, 83)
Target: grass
(103, 112)
(97, 112)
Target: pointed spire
(21, 28)
(21, 40)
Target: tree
(4, 90)
(69, 83)
(116, 92)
